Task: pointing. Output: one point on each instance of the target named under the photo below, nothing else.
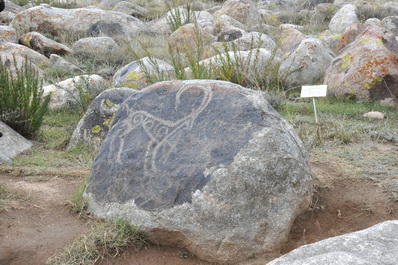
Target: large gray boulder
(307, 63)
(98, 48)
(345, 17)
(377, 245)
(11, 144)
(367, 68)
(96, 122)
(203, 164)
(79, 22)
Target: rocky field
(173, 132)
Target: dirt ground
(356, 187)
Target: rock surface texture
(307, 63)
(70, 91)
(375, 245)
(133, 74)
(8, 34)
(97, 120)
(80, 21)
(44, 45)
(99, 48)
(344, 18)
(206, 165)
(367, 68)
(11, 143)
(244, 11)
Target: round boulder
(367, 68)
(205, 165)
(134, 74)
(43, 45)
(97, 120)
(99, 48)
(307, 63)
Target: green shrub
(179, 17)
(22, 106)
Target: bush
(22, 106)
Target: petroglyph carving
(161, 131)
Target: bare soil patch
(356, 187)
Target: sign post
(313, 92)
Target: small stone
(374, 115)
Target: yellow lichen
(346, 60)
(108, 121)
(109, 103)
(131, 79)
(96, 129)
(365, 40)
(369, 85)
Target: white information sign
(313, 91)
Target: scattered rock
(70, 91)
(391, 23)
(373, 21)
(251, 40)
(203, 19)
(97, 120)
(97, 48)
(203, 164)
(374, 115)
(345, 17)
(375, 245)
(306, 64)
(224, 21)
(43, 45)
(80, 22)
(187, 37)
(349, 35)
(131, 9)
(57, 62)
(244, 11)
(252, 63)
(367, 68)
(11, 49)
(108, 4)
(8, 34)
(11, 144)
(229, 34)
(388, 102)
(330, 39)
(133, 75)
(289, 38)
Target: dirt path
(39, 223)
(357, 187)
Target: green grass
(49, 155)
(107, 239)
(5, 197)
(78, 202)
(340, 122)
